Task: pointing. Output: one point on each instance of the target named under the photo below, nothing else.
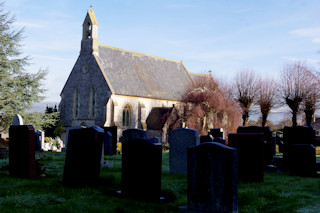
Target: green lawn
(279, 193)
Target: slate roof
(136, 74)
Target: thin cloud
(313, 33)
(27, 24)
(308, 60)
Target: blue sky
(224, 36)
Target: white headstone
(17, 120)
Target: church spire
(89, 43)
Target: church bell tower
(89, 42)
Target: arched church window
(126, 115)
(76, 103)
(92, 102)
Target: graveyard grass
(279, 193)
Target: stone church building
(109, 86)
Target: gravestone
(141, 169)
(269, 148)
(67, 134)
(250, 155)
(22, 144)
(296, 135)
(114, 132)
(205, 138)
(108, 143)
(217, 132)
(83, 157)
(17, 120)
(212, 178)
(302, 160)
(179, 140)
(39, 140)
(130, 134)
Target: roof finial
(90, 6)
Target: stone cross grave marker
(212, 178)
(83, 157)
(17, 120)
(130, 134)
(250, 155)
(141, 169)
(22, 145)
(179, 140)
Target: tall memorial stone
(141, 169)
(39, 140)
(22, 145)
(107, 142)
(212, 178)
(179, 140)
(269, 146)
(67, 133)
(114, 132)
(83, 157)
(250, 155)
(302, 160)
(130, 134)
(296, 135)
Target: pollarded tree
(311, 97)
(19, 89)
(245, 91)
(294, 81)
(266, 97)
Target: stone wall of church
(140, 108)
(85, 75)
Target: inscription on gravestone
(179, 140)
(212, 178)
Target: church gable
(135, 74)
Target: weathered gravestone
(114, 132)
(219, 140)
(39, 140)
(107, 142)
(130, 134)
(17, 120)
(250, 155)
(179, 140)
(302, 160)
(269, 147)
(217, 132)
(296, 135)
(212, 178)
(22, 144)
(141, 169)
(83, 157)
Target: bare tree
(266, 97)
(294, 81)
(245, 91)
(311, 97)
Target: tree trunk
(264, 119)
(309, 115)
(245, 118)
(294, 117)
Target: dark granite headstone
(114, 132)
(83, 157)
(302, 160)
(22, 145)
(179, 140)
(296, 135)
(269, 147)
(217, 132)
(108, 143)
(130, 134)
(206, 138)
(212, 178)
(141, 169)
(250, 155)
